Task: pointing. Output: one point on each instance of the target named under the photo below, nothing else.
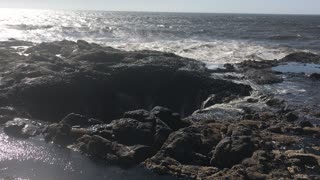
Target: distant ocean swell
(213, 38)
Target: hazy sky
(232, 6)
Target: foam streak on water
(216, 52)
(214, 38)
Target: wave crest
(29, 27)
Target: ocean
(212, 38)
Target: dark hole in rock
(104, 87)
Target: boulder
(304, 124)
(73, 119)
(162, 131)
(58, 133)
(22, 128)
(140, 115)
(259, 166)
(252, 100)
(263, 77)
(276, 129)
(186, 152)
(113, 152)
(84, 45)
(315, 76)
(302, 57)
(239, 130)
(137, 127)
(191, 145)
(291, 117)
(169, 117)
(303, 164)
(231, 151)
(274, 102)
(166, 165)
(131, 131)
(304, 160)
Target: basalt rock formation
(168, 114)
(64, 77)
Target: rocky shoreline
(168, 114)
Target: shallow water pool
(36, 160)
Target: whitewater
(212, 38)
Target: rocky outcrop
(58, 133)
(232, 150)
(79, 120)
(186, 153)
(302, 57)
(261, 72)
(315, 76)
(264, 77)
(126, 141)
(22, 128)
(160, 111)
(113, 152)
(63, 77)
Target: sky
(214, 6)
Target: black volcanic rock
(22, 128)
(315, 76)
(131, 131)
(190, 145)
(140, 115)
(53, 48)
(302, 57)
(232, 150)
(291, 117)
(73, 119)
(125, 141)
(149, 103)
(58, 133)
(264, 76)
(304, 124)
(169, 117)
(113, 152)
(137, 127)
(101, 82)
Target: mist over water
(214, 38)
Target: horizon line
(143, 11)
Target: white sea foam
(176, 34)
(215, 52)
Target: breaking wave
(213, 38)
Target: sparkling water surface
(213, 38)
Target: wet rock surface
(83, 78)
(315, 76)
(22, 128)
(168, 114)
(231, 151)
